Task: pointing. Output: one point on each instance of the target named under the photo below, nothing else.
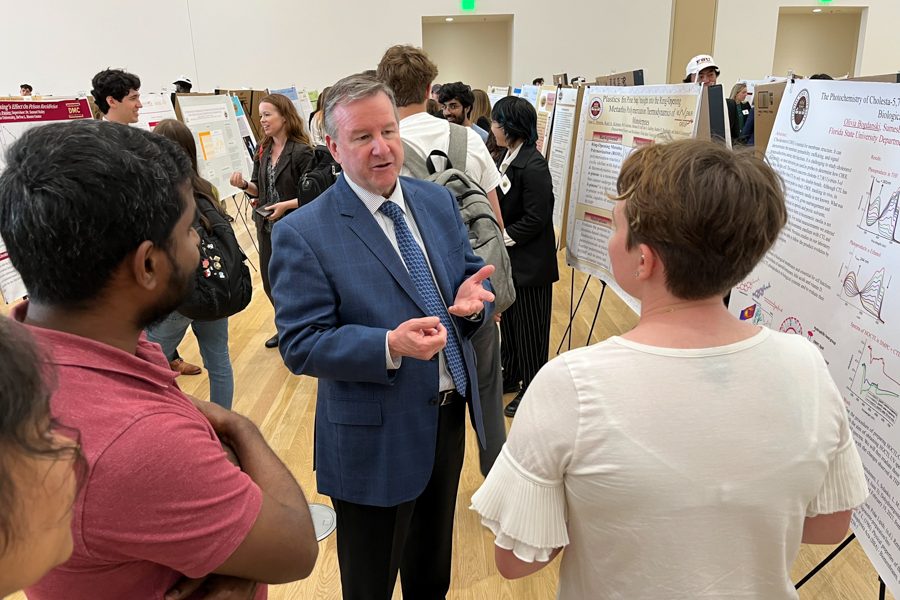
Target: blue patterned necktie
(421, 276)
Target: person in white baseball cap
(702, 68)
(183, 85)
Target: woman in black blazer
(526, 201)
(284, 155)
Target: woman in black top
(284, 155)
(526, 201)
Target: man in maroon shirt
(97, 219)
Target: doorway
(474, 49)
(810, 42)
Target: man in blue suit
(377, 292)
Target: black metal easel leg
(572, 311)
(596, 312)
(827, 560)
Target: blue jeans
(212, 337)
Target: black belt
(448, 397)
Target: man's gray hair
(350, 89)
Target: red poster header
(43, 111)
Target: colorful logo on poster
(596, 109)
(800, 110)
(748, 312)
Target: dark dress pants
(414, 538)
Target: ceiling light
(450, 19)
(817, 10)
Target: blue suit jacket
(338, 287)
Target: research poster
(529, 92)
(300, 99)
(495, 92)
(830, 276)
(546, 102)
(613, 122)
(220, 148)
(16, 117)
(156, 107)
(244, 126)
(559, 152)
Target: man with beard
(457, 100)
(97, 219)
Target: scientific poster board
(250, 100)
(300, 99)
(564, 126)
(18, 115)
(244, 126)
(156, 107)
(220, 147)
(529, 92)
(829, 278)
(495, 92)
(613, 122)
(766, 100)
(546, 102)
(626, 78)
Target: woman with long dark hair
(212, 336)
(283, 157)
(526, 200)
(38, 460)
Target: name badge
(746, 111)
(505, 184)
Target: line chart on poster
(870, 383)
(880, 208)
(864, 292)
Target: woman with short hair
(689, 457)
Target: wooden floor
(283, 406)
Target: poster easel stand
(827, 560)
(882, 586)
(574, 311)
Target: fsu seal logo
(800, 110)
(596, 109)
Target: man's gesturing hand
(471, 295)
(417, 338)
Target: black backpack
(322, 173)
(223, 286)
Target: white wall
(475, 53)
(746, 33)
(817, 43)
(57, 46)
(275, 42)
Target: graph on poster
(863, 287)
(877, 391)
(879, 207)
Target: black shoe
(272, 342)
(511, 387)
(513, 406)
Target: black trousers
(264, 241)
(414, 538)
(486, 343)
(525, 331)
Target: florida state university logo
(800, 110)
